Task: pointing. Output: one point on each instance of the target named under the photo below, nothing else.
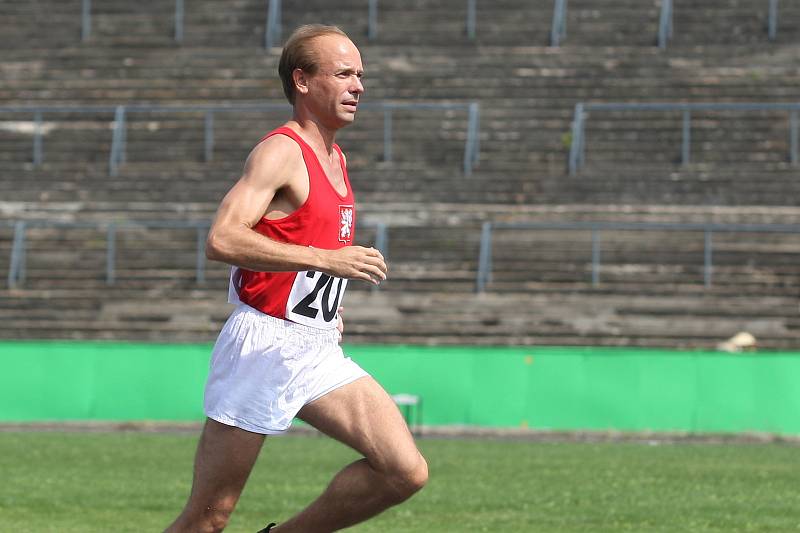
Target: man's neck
(316, 135)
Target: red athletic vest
(326, 220)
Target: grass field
(102, 482)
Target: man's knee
(213, 518)
(217, 516)
(409, 477)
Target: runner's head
(321, 69)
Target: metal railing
(118, 151)
(272, 35)
(274, 21)
(86, 20)
(484, 274)
(665, 24)
(577, 153)
(372, 20)
(558, 29)
(18, 262)
(772, 20)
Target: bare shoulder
(274, 159)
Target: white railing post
(558, 28)
(484, 258)
(179, 21)
(117, 141)
(372, 20)
(471, 16)
(86, 19)
(576, 143)
(272, 35)
(16, 267)
(686, 137)
(772, 28)
(665, 24)
(472, 143)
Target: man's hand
(356, 262)
(340, 323)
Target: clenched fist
(355, 262)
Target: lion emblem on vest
(345, 223)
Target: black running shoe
(268, 528)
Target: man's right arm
(232, 239)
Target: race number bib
(315, 299)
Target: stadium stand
(651, 289)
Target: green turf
(101, 482)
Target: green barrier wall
(537, 387)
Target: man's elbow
(215, 249)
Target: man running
(287, 229)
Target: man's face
(334, 90)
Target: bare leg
(225, 457)
(363, 416)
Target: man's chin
(346, 120)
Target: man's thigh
(225, 457)
(362, 415)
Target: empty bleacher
(541, 290)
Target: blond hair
(299, 53)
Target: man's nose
(357, 87)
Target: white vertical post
(471, 16)
(575, 147)
(484, 257)
(179, 21)
(665, 24)
(773, 20)
(372, 20)
(472, 143)
(272, 35)
(86, 19)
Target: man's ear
(300, 81)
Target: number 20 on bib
(315, 299)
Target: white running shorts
(264, 369)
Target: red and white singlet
(326, 220)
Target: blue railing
(274, 21)
(86, 20)
(484, 274)
(117, 155)
(272, 36)
(772, 24)
(665, 24)
(558, 28)
(17, 263)
(558, 31)
(577, 153)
